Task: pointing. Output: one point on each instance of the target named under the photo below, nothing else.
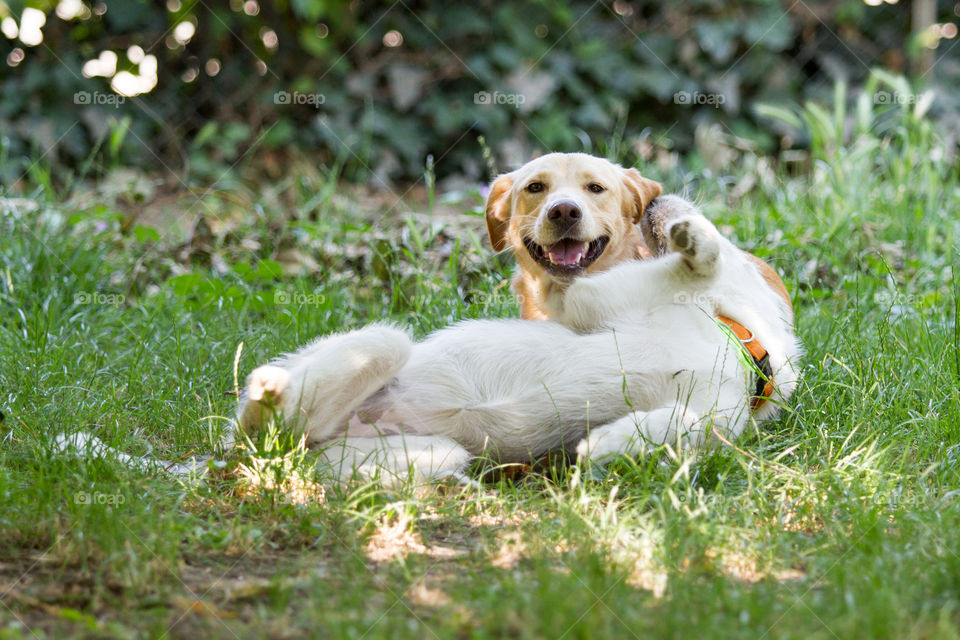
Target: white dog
(634, 355)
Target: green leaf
(245, 271)
(186, 284)
(309, 10)
(269, 270)
(718, 38)
(207, 132)
(145, 234)
(773, 30)
(781, 114)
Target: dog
(564, 215)
(645, 353)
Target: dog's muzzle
(567, 257)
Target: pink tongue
(567, 252)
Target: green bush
(379, 87)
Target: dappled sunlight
(282, 478)
(739, 562)
(636, 550)
(394, 536)
(73, 10)
(290, 491)
(424, 596)
(798, 520)
(499, 520)
(31, 23)
(104, 65)
(512, 550)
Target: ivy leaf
(718, 38)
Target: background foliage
(374, 89)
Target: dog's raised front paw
(698, 241)
(657, 218)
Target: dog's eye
(593, 187)
(535, 187)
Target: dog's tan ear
(499, 211)
(640, 192)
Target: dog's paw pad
(657, 218)
(697, 241)
(682, 237)
(267, 383)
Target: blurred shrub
(375, 88)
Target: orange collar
(764, 387)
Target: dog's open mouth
(567, 256)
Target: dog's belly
(520, 389)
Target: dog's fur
(607, 200)
(634, 356)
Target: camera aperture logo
(312, 99)
(98, 98)
(298, 298)
(110, 499)
(498, 97)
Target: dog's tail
(89, 446)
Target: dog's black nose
(564, 214)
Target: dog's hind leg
(687, 424)
(634, 433)
(316, 388)
(395, 458)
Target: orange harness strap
(764, 387)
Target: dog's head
(565, 214)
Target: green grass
(838, 520)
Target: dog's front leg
(590, 303)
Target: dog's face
(565, 214)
